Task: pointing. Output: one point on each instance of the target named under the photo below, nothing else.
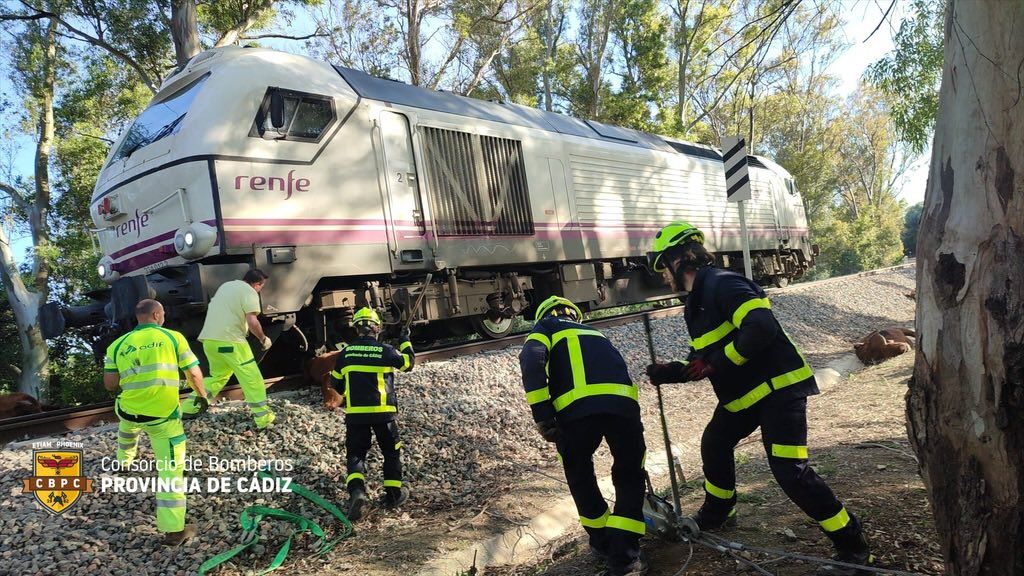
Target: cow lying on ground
(19, 404)
(318, 372)
(884, 344)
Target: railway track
(67, 420)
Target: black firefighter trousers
(783, 422)
(357, 444)
(613, 532)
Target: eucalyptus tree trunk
(25, 300)
(184, 31)
(965, 406)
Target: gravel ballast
(465, 428)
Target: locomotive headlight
(194, 241)
(107, 271)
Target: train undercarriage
(438, 305)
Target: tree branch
(12, 370)
(317, 34)
(9, 273)
(777, 24)
(100, 43)
(231, 35)
(12, 17)
(882, 21)
(19, 200)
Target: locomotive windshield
(160, 120)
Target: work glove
(267, 343)
(548, 430)
(404, 335)
(662, 373)
(699, 369)
(202, 403)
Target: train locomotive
(449, 213)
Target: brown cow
(19, 404)
(884, 344)
(318, 371)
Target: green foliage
(101, 99)
(642, 33)
(870, 240)
(911, 226)
(10, 355)
(76, 377)
(517, 71)
(910, 75)
(224, 15)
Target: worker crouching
(143, 365)
(364, 375)
(580, 393)
(761, 380)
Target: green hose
(250, 519)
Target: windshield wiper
(162, 133)
(167, 129)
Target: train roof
(387, 90)
(397, 92)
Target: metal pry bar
(664, 427)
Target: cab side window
(307, 117)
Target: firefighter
(579, 390)
(232, 312)
(761, 380)
(364, 375)
(144, 365)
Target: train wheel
(492, 330)
(781, 281)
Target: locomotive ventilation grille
(477, 184)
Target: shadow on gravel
(901, 288)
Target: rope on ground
(686, 564)
(725, 544)
(732, 554)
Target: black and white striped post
(737, 187)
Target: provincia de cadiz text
(211, 474)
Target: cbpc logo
(57, 482)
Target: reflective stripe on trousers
(227, 358)
(167, 439)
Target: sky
(860, 18)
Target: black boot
(638, 567)
(173, 539)
(851, 548)
(357, 502)
(395, 497)
(709, 520)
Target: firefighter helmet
(365, 315)
(671, 235)
(553, 302)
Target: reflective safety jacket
(571, 371)
(731, 326)
(364, 373)
(147, 360)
